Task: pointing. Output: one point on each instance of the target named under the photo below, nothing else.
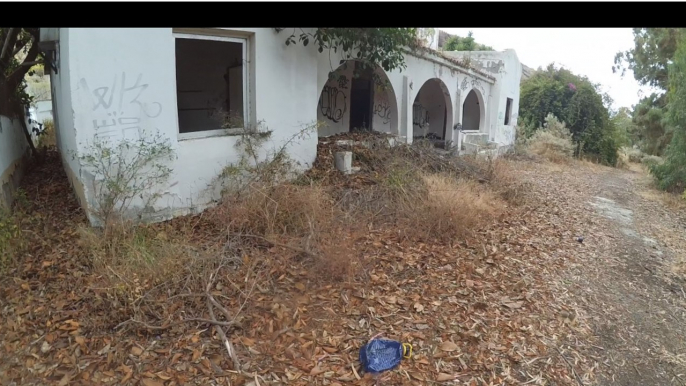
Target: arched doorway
(473, 111)
(432, 113)
(357, 98)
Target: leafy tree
(372, 46)
(457, 43)
(578, 103)
(626, 131)
(650, 117)
(18, 53)
(671, 175)
(649, 60)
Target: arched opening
(356, 98)
(472, 111)
(432, 113)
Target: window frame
(245, 49)
(508, 111)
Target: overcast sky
(584, 51)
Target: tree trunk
(5, 99)
(11, 109)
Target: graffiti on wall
(343, 82)
(508, 135)
(333, 103)
(465, 84)
(383, 110)
(476, 83)
(118, 108)
(420, 116)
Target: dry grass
(551, 148)
(262, 233)
(48, 137)
(670, 200)
(454, 208)
(131, 258)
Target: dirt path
(626, 282)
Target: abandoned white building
(173, 81)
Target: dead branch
(227, 343)
(578, 379)
(176, 323)
(275, 243)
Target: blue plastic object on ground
(381, 355)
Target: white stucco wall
(133, 76)
(507, 69)
(43, 111)
(13, 147)
(127, 88)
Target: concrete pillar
(406, 111)
(344, 161)
(457, 115)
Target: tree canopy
(649, 60)
(671, 175)
(373, 46)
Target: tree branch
(19, 48)
(10, 40)
(17, 75)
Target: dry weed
(552, 142)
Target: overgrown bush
(633, 155)
(126, 171)
(579, 103)
(11, 239)
(553, 141)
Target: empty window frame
(211, 84)
(508, 111)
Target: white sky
(584, 51)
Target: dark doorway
(361, 104)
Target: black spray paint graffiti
(383, 110)
(477, 85)
(117, 124)
(333, 103)
(420, 116)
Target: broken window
(508, 111)
(211, 77)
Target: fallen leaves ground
(503, 307)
